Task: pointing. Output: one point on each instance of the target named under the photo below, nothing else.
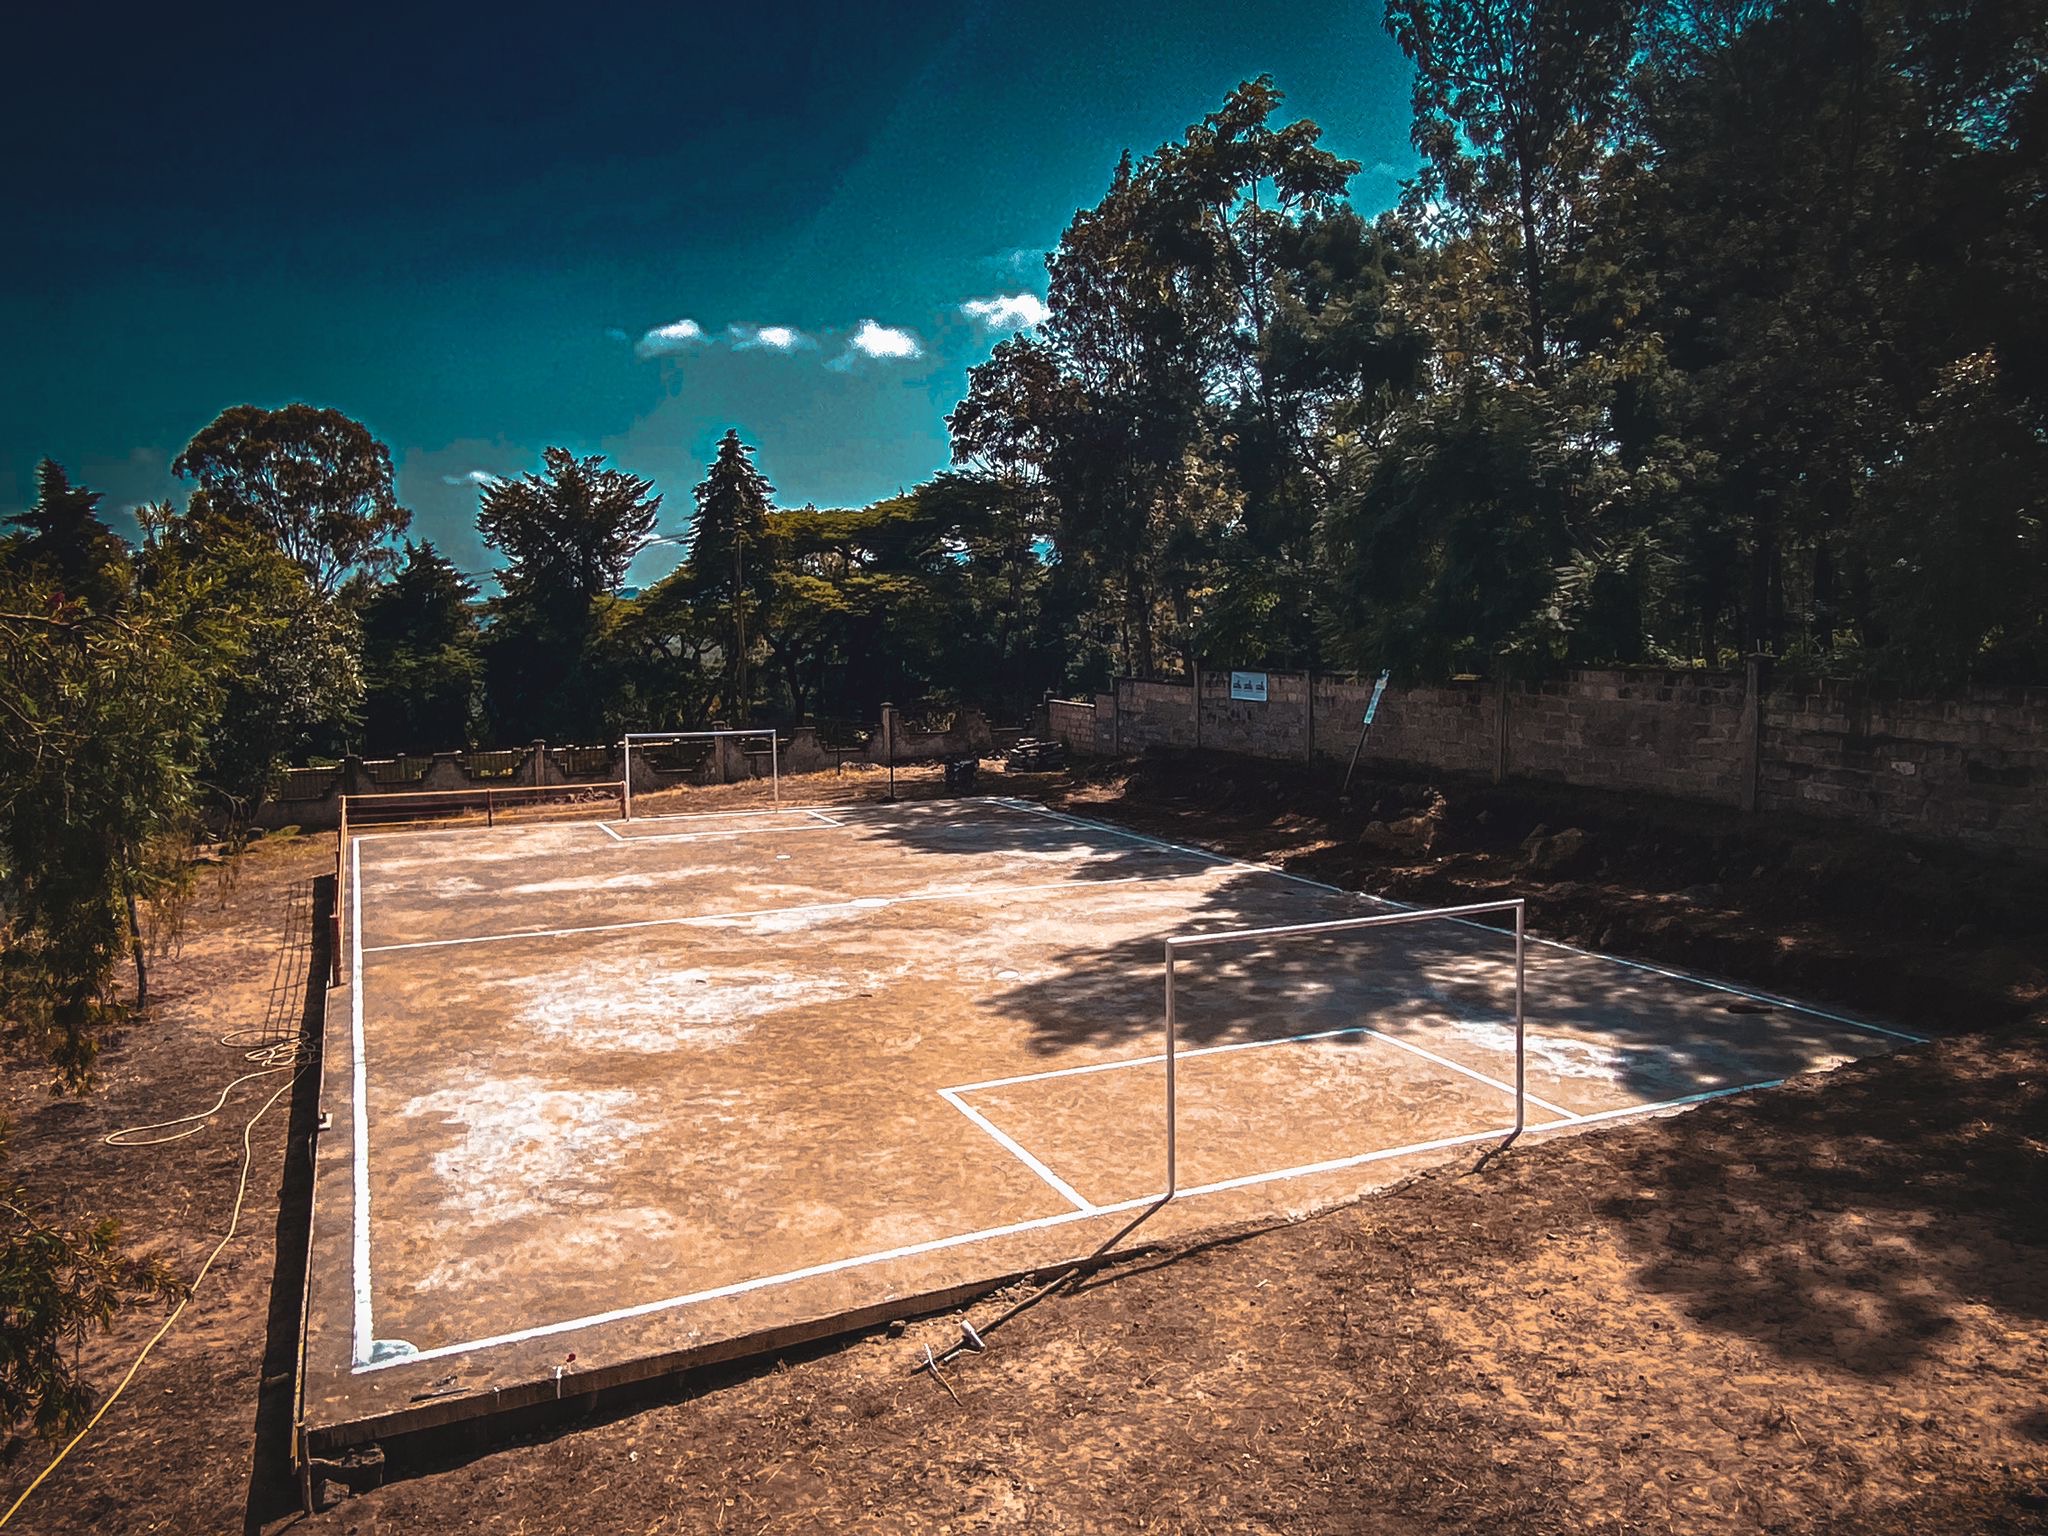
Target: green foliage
(62, 539)
(422, 669)
(284, 664)
(313, 480)
(729, 574)
(568, 535)
(104, 714)
(58, 1284)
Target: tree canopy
(315, 481)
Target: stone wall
(1070, 722)
(1671, 733)
(1971, 770)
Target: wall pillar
(1308, 715)
(1500, 728)
(1752, 729)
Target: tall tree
(421, 670)
(284, 663)
(314, 480)
(729, 566)
(98, 768)
(1515, 108)
(568, 534)
(62, 536)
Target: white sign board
(1248, 685)
(1372, 706)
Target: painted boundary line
(821, 825)
(954, 1095)
(1591, 954)
(1041, 1223)
(912, 1250)
(1016, 1149)
(360, 1341)
(1256, 1045)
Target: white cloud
(873, 340)
(776, 338)
(670, 340)
(1008, 312)
(474, 477)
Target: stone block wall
(1071, 722)
(1671, 733)
(1971, 770)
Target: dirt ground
(1822, 1308)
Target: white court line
(1063, 1218)
(914, 1250)
(987, 1234)
(360, 1344)
(1010, 1145)
(712, 919)
(1630, 1111)
(1592, 954)
(1255, 1045)
(1445, 1061)
(775, 810)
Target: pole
(626, 783)
(889, 746)
(1521, 1029)
(1172, 1054)
(1372, 708)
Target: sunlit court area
(624, 1090)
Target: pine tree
(729, 566)
(64, 541)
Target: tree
(62, 537)
(313, 480)
(285, 664)
(1515, 108)
(728, 569)
(98, 769)
(421, 668)
(58, 1284)
(568, 535)
(571, 531)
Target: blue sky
(469, 228)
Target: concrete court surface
(608, 1099)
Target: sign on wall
(1248, 685)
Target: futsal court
(605, 1099)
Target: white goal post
(651, 738)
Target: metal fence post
(1172, 1084)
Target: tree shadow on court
(1641, 1035)
(1851, 1219)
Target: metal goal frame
(648, 738)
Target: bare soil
(1822, 1308)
